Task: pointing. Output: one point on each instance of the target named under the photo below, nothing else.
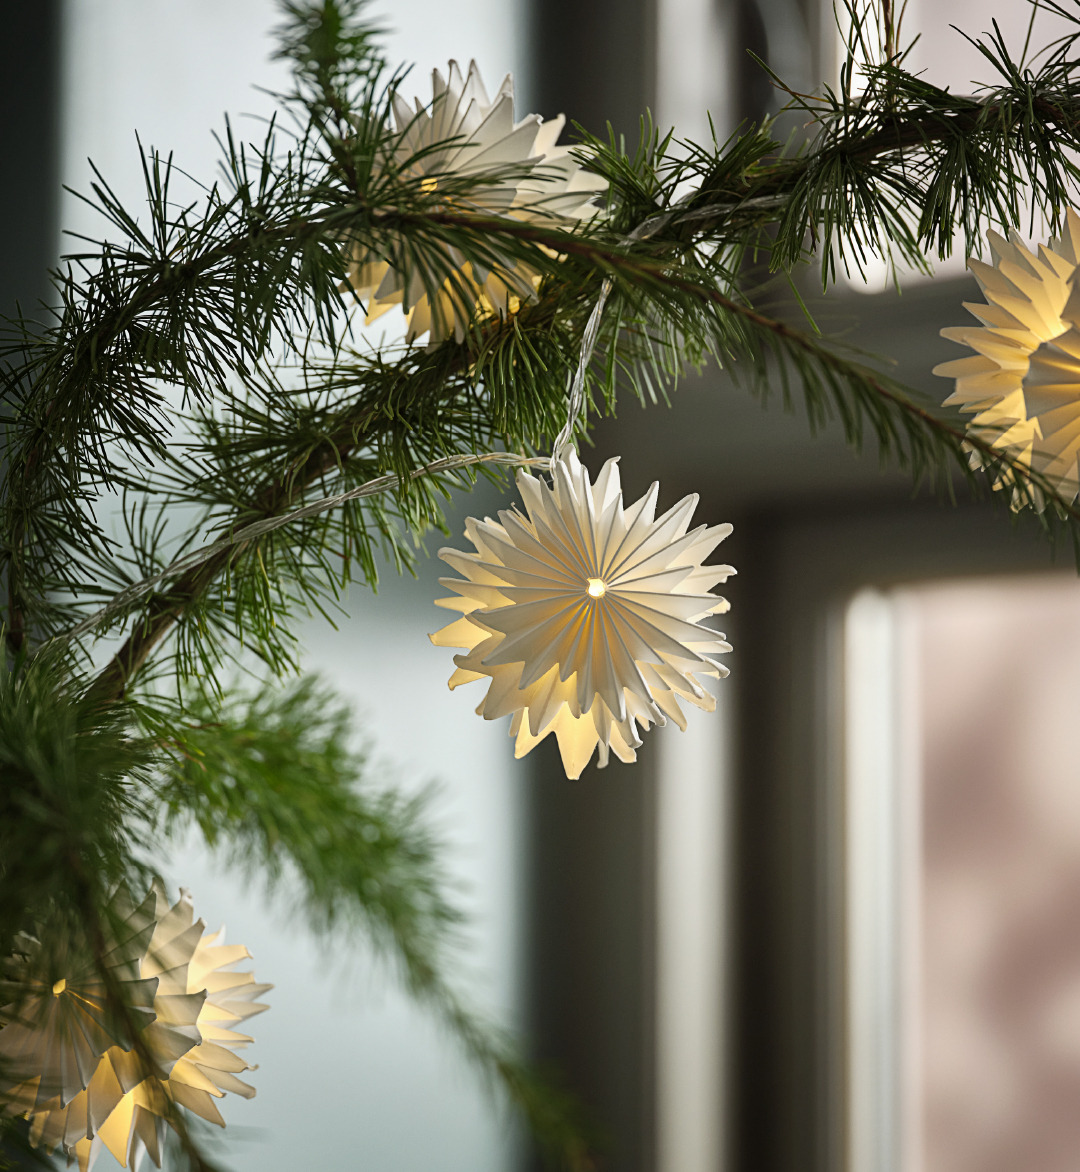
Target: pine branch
(209, 298)
(636, 272)
(275, 786)
(76, 793)
(271, 500)
(885, 152)
(76, 809)
(123, 601)
(855, 390)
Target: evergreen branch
(275, 787)
(183, 255)
(75, 812)
(790, 187)
(635, 271)
(637, 275)
(16, 1152)
(75, 793)
(204, 295)
(956, 117)
(269, 501)
(191, 561)
(861, 396)
(137, 308)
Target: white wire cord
(575, 396)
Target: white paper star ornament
(469, 154)
(585, 614)
(53, 1038)
(196, 1002)
(1023, 382)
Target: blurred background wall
(747, 951)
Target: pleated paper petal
(525, 176)
(191, 1038)
(1022, 384)
(53, 1038)
(585, 614)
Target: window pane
(352, 1073)
(999, 698)
(963, 776)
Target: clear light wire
(575, 397)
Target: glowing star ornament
(54, 1037)
(1023, 382)
(196, 1002)
(522, 174)
(585, 614)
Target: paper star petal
(195, 1001)
(1022, 385)
(585, 614)
(524, 176)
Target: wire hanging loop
(575, 396)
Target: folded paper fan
(585, 615)
(191, 1042)
(54, 1036)
(1023, 382)
(471, 149)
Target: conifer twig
(256, 529)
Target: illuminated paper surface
(1023, 382)
(585, 615)
(182, 983)
(528, 178)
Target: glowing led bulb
(597, 589)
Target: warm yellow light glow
(66, 1063)
(462, 135)
(1022, 383)
(557, 661)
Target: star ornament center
(585, 615)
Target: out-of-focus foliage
(76, 802)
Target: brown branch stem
(166, 608)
